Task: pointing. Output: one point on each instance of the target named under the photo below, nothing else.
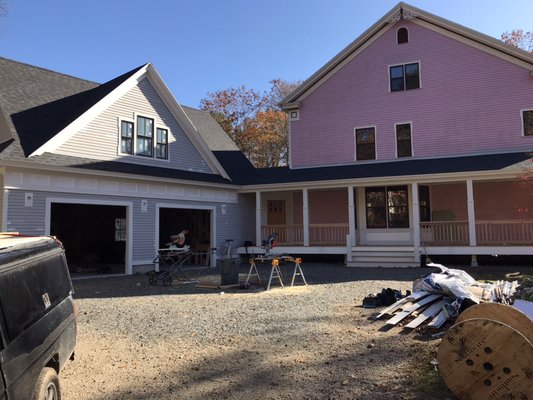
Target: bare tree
(519, 38)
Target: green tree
(519, 38)
(254, 120)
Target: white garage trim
(98, 202)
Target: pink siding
(325, 207)
(470, 101)
(448, 202)
(503, 200)
(492, 201)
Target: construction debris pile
(487, 353)
(441, 296)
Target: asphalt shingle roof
(242, 172)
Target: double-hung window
(404, 77)
(403, 140)
(126, 137)
(161, 145)
(387, 207)
(143, 138)
(365, 143)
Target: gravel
(137, 341)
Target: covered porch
(396, 224)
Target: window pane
(396, 78)
(527, 116)
(145, 135)
(412, 80)
(398, 209)
(403, 140)
(403, 35)
(161, 144)
(365, 144)
(376, 213)
(126, 137)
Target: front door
(276, 212)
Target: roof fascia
(343, 57)
(423, 18)
(70, 130)
(185, 122)
(380, 181)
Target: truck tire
(47, 386)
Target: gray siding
(100, 138)
(238, 223)
(26, 220)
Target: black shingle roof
(36, 125)
(242, 172)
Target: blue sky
(201, 46)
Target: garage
(94, 236)
(196, 221)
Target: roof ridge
(50, 70)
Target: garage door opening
(197, 222)
(94, 237)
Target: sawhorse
(298, 271)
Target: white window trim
(396, 140)
(134, 144)
(405, 63)
(119, 147)
(355, 141)
(522, 122)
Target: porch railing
(444, 233)
(496, 232)
(319, 234)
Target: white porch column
(351, 215)
(471, 213)
(258, 218)
(305, 210)
(416, 221)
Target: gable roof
(405, 11)
(46, 108)
(210, 130)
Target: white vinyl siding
(100, 139)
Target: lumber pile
(440, 297)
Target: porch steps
(385, 257)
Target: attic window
(404, 77)
(402, 35)
(294, 115)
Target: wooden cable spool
(484, 359)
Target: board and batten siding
(469, 102)
(99, 139)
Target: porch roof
(243, 173)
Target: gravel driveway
(137, 341)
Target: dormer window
(404, 77)
(143, 138)
(402, 35)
